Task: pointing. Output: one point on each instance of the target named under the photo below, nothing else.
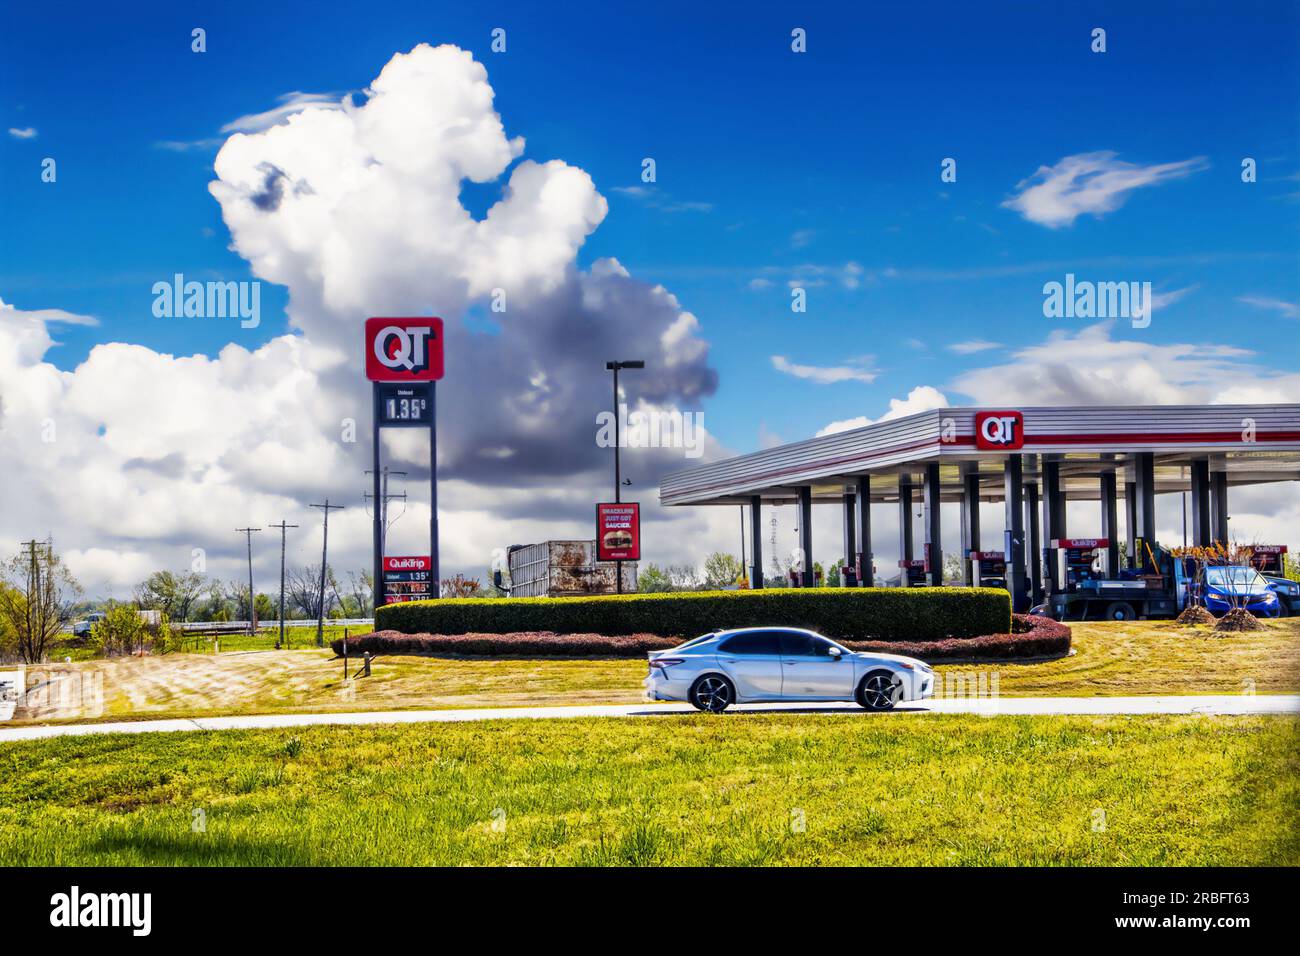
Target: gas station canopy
(969, 455)
(1251, 443)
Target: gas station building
(1033, 460)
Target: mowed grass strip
(1121, 658)
(742, 789)
(1110, 659)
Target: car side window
(796, 645)
(804, 645)
(756, 642)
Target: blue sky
(770, 165)
(774, 169)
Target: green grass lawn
(668, 790)
(1110, 659)
(299, 636)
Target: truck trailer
(563, 569)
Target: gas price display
(403, 405)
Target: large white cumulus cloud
(357, 211)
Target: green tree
(173, 594)
(721, 570)
(8, 636)
(652, 579)
(835, 577)
(120, 631)
(267, 609)
(37, 599)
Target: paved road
(1209, 704)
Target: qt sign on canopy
(999, 431)
(404, 350)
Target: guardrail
(234, 627)
(238, 627)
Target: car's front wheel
(879, 690)
(712, 693)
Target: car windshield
(1234, 578)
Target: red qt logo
(404, 350)
(999, 431)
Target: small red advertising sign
(1083, 544)
(404, 350)
(410, 562)
(999, 431)
(618, 531)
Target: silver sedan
(755, 664)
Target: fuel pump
(1075, 557)
(913, 575)
(989, 569)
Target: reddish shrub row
(518, 644)
(1030, 637)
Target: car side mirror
(835, 652)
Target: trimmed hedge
(884, 614)
(528, 644)
(1030, 636)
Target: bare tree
(36, 602)
(684, 577)
(362, 587)
(302, 590)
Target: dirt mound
(1238, 619)
(1195, 614)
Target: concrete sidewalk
(1232, 704)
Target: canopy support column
(805, 535)
(933, 527)
(866, 572)
(1014, 546)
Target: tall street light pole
(248, 533)
(618, 478)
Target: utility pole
(324, 553)
(282, 526)
(248, 533)
(384, 499)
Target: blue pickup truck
(1288, 594)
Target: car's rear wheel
(712, 693)
(879, 690)
(1120, 611)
